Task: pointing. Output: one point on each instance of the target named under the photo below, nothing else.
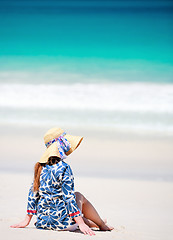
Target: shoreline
(87, 131)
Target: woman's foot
(91, 224)
(105, 227)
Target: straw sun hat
(59, 143)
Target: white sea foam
(123, 97)
(146, 106)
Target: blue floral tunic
(54, 203)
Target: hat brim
(52, 150)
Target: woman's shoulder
(64, 165)
(61, 166)
(61, 170)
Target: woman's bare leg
(91, 216)
(90, 223)
(79, 201)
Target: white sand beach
(137, 209)
(124, 176)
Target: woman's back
(51, 179)
(55, 198)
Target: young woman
(52, 197)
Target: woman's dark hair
(37, 170)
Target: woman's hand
(24, 223)
(83, 227)
(86, 230)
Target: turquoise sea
(87, 63)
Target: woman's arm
(33, 198)
(70, 199)
(67, 186)
(24, 223)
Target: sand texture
(137, 209)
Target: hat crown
(52, 133)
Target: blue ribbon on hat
(62, 143)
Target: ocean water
(99, 64)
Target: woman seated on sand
(51, 196)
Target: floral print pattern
(54, 203)
(62, 143)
